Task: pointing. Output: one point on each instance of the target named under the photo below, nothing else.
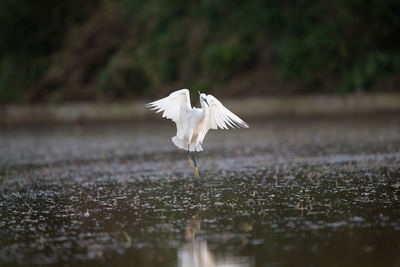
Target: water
(316, 191)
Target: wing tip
(151, 104)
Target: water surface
(311, 191)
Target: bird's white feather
(193, 124)
(220, 116)
(176, 107)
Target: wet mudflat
(310, 191)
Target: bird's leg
(196, 170)
(194, 161)
(190, 160)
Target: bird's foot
(196, 172)
(191, 163)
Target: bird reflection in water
(195, 253)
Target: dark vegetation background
(54, 51)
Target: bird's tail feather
(180, 142)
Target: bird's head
(203, 97)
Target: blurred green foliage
(30, 31)
(116, 49)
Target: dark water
(316, 191)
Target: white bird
(192, 124)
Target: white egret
(192, 124)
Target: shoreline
(246, 108)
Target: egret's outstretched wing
(220, 116)
(176, 107)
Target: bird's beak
(205, 100)
(199, 92)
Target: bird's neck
(204, 108)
